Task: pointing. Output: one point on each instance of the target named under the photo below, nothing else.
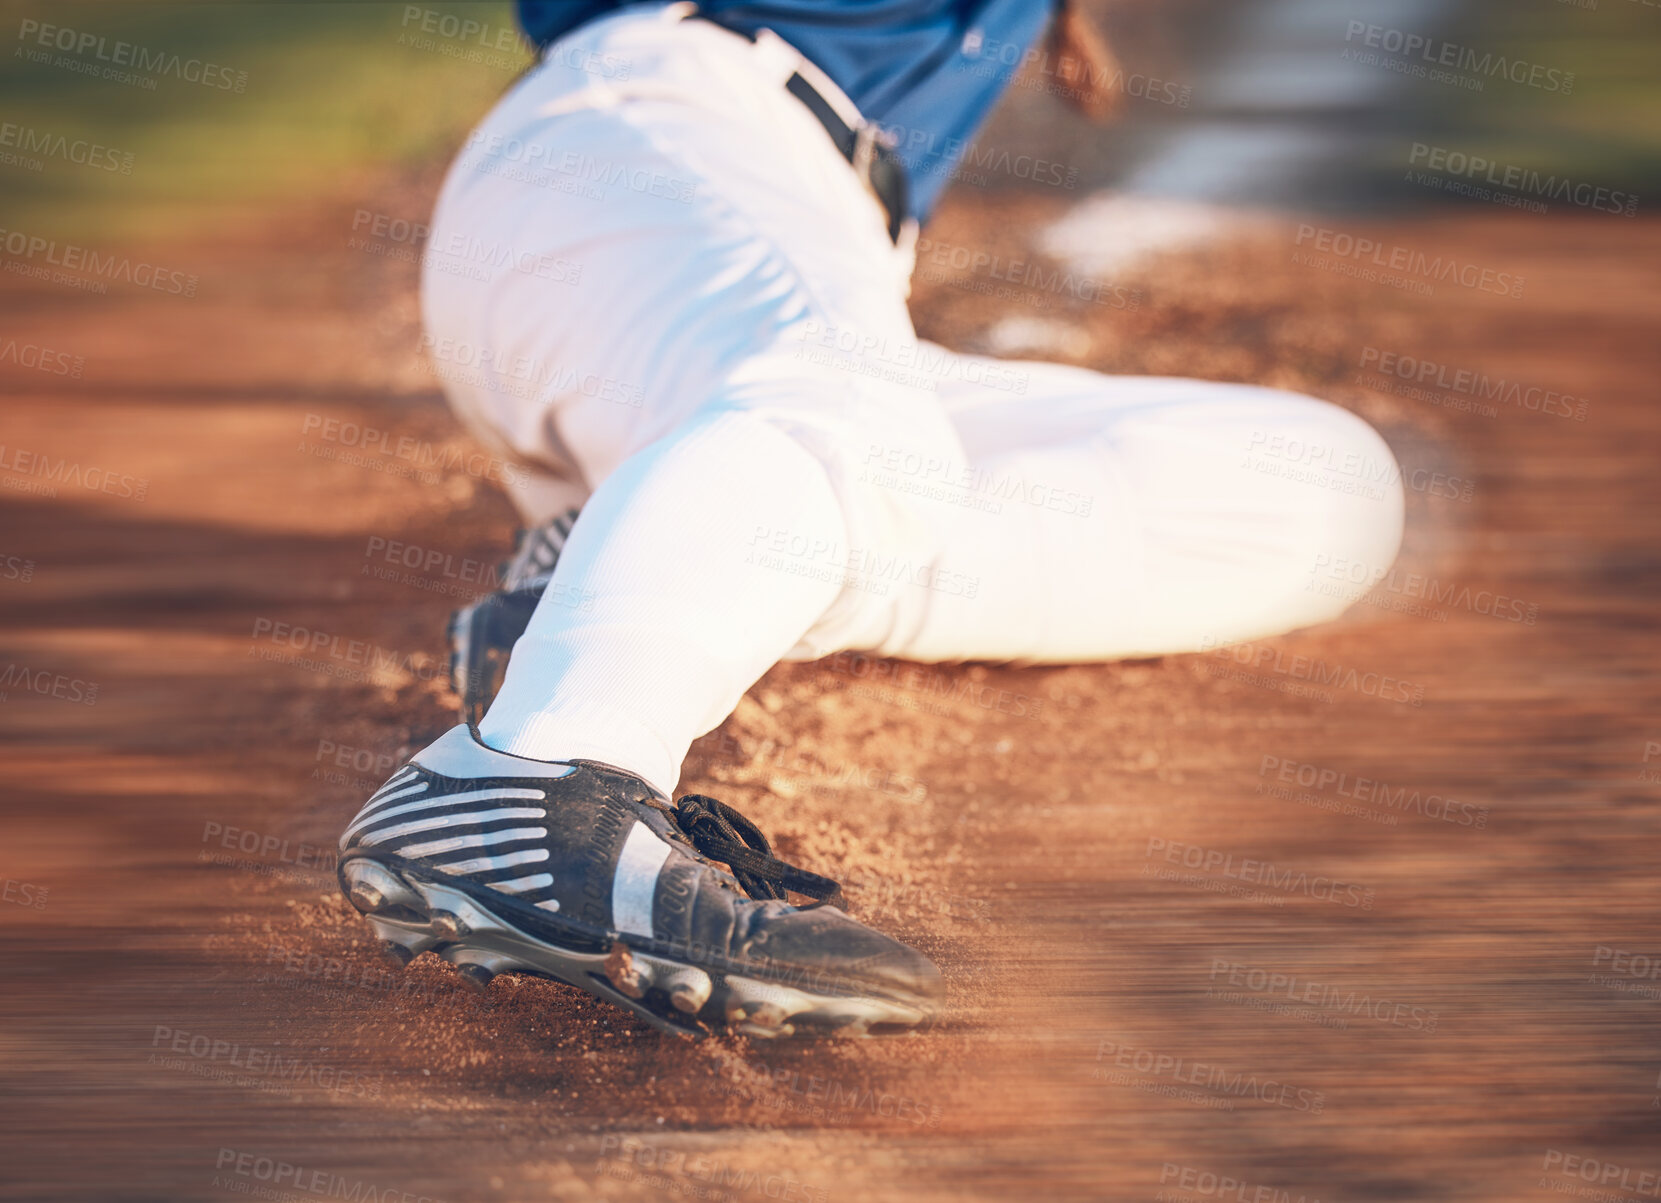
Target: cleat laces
(721, 833)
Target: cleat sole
(449, 925)
(417, 914)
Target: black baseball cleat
(482, 634)
(584, 873)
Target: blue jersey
(927, 71)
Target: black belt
(876, 165)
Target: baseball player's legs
(663, 289)
(1109, 516)
(667, 251)
(781, 469)
(711, 333)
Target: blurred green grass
(332, 96)
(336, 95)
(1607, 127)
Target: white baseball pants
(653, 280)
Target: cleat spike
(769, 1015)
(475, 977)
(688, 988)
(448, 925)
(631, 977)
(396, 953)
(366, 897)
(413, 944)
